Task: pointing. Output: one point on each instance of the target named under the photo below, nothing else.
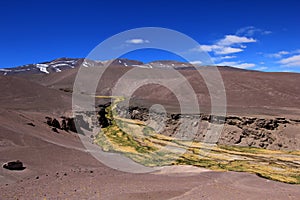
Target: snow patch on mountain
(61, 64)
(5, 70)
(43, 67)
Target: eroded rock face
(103, 121)
(269, 124)
(55, 123)
(268, 133)
(71, 124)
(14, 165)
(66, 124)
(49, 121)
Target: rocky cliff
(263, 132)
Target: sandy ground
(58, 166)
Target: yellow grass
(143, 145)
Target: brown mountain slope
(248, 92)
(58, 167)
(21, 94)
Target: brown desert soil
(59, 167)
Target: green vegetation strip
(141, 144)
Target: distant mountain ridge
(62, 64)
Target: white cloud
(233, 39)
(286, 71)
(296, 51)
(278, 54)
(137, 41)
(227, 57)
(220, 50)
(196, 62)
(266, 32)
(208, 48)
(228, 45)
(261, 68)
(293, 61)
(248, 30)
(245, 65)
(237, 64)
(219, 58)
(227, 50)
(251, 30)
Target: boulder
(64, 125)
(103, 121)
(49, 121)
(55, 123)
(71, 125)
(14, 165)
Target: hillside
(57, 165)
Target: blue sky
(247, 34)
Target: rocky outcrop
(66, 124)
(69, 124)
(31, 124)
(55, 123)
(268, 133)
(103, 121)
(269, 124)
